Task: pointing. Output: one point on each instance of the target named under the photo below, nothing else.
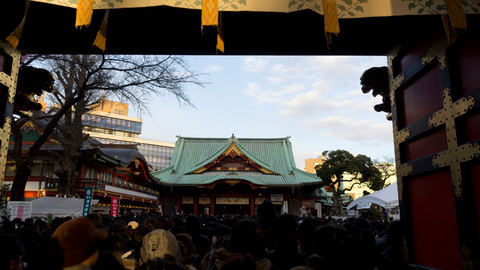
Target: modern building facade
(109, 123)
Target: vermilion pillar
(179, 204)
(252, 205)
(195, 204)
(212, 204)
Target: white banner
(364, 205)
(276, 197)
(19, 209)
(318, 207)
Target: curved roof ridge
(223, 138)
(254, 158)
(212, 157)
(155, 173)
(305, 173)
(235, 176)
(231, 141)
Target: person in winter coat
(80, 241)
(245, 244)
(11, 251)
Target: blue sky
(316, 100)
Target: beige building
(109, 122)
(312, 162)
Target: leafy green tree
(341, 167)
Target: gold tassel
(330, 19)
(84, 13)
(220, 42)
(14, 37)
(210, 17)
(210, 12)
(456, 14)
(101, 39)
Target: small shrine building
(233, 175)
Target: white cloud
(291, 89)
(213, 68)
(252, 89)
(281, 73)
(354, 102)
(308, 103)
(351, 129)
(310, 86)
(255, 91)
(255, 64)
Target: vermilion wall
(439, 164)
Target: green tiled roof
(274, 155)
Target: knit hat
(132, 224)
(79, 239)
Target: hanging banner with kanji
(87, 202)
(114, 206)
(19, 209)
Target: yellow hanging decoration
(14, 37)
(210, 12)
(220, 44)
(456, 14)
(101, 39)
(330, 19)
(84, 13)
(210, 18)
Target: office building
(109, 123)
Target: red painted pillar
(212, 204)
(179, 204)
(252, 205)
(195, 204)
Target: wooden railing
(99, 184)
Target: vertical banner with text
(87, 202)
(19, 209)
(114, 206)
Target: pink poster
(114, 206)
(20, 211)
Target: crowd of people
(151, 241)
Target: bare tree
(387, 168)
(81, 82)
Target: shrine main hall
(233, 175)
